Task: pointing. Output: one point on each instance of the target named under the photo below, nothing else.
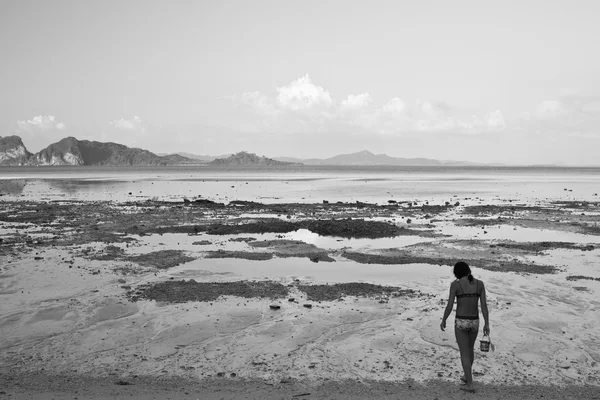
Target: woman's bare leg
(463, 340)
(472, 340)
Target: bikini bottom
(467, 324)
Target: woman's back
(467, 297)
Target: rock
(121, 382)
(121, 280)
(274, 307)
(308, 305)
(325, 202)
(220, 374)
(291, 299)
(408, 220)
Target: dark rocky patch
(582, 277)
(162, 259)
(275, 226)
(184, 291)
(541, 246)
(578, 205)
(202, 243)
(504, 209)
(489, 264)
(243, 239)
(340, 290)
(346, 228)
(245, 255)
(352, 228)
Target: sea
(303, 184)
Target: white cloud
(128, 124)
(302, 94)
(395, 105)
(571, 115)
(494, 120)
(432, 109)
(41, 122)
(356, 102)
(549, 109)
(302, 106)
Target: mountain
(248, 159)
(71, 151)
(198, 157)
(367, 158)
(13, 151)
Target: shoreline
(39, 386)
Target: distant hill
(198, 157)
(248, 159)
(13, 151)
(367, 158)
(71, 151)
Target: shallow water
(302, 184)
(286, 269)
(518, 234)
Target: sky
(516, 82)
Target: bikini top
(463, 294)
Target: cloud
(432, 109)
(302, 106)
(302, 94)
(494, 121)
(570, 115)
(128, 124)
(395, 105)
(549, 109)
(41, 123)
(356, 102)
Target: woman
(468, 291)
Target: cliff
(71, 151)
(13, 151)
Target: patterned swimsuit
(467, 323)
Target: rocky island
(249, 159)
(71, 151)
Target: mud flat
(292, 300)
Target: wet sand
(303, 298)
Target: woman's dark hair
(461, 269)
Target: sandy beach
(220, 300)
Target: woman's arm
(484, 311)
(449, 306)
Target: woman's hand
(443, 325)
(486, 330)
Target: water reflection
(12, 186)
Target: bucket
(484, 344)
